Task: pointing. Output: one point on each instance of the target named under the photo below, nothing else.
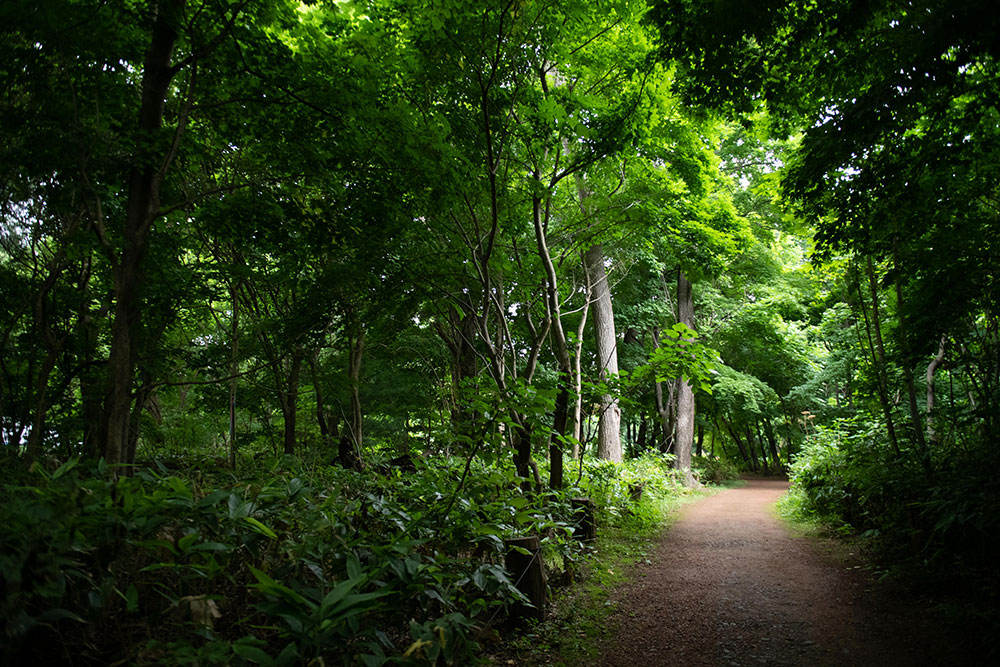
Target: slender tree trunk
(754, 435)
(143, 401)
(351, 438)
(902, 332)
(90, 385)
(932, 368)
(664, 407)
(772, 443)
(609, 444)
(290, 401)
(685, 394)
(357, 418)
(53, 347)
(560, 349)
(234, 367)
(522, 430)
(460, 337)
(577, 416)
(40, 406)
(748, 458)
(140, 211)
(881, 366)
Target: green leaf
(258, 527)
(339, 592)
(66, 467)
(211, 546)
(353, 566)
(288, 656)
(132, 599)
(253, 654)
(185, 543)
(267, 585)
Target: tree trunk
(754, 435)
(559, 422)
(609, 444)
(234, 367)
(880, 364)
(141, 209)
(685, 394)
(577, 416)
(357, 418)
(289, 401)
(460, 337)
(664, 407)
(560, 349)
(748, 458)
(523, 562)
(932, 368)
(352, 436)
(322, 418)
(911, 387)
(91, 385)
(772, 443)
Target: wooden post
(528, 573)
(585, 528)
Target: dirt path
(729, 586)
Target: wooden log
(584, 525)
(527, 571)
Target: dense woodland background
(305, 307)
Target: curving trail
(729, 586)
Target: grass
(581, 614)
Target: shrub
(715, 469)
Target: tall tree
(685, 393)
(609, 444)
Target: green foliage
(628, 493)
(363, 233)
(681, 354)
(943, 527)
(286, 564)
(715, 469)
(819, 476)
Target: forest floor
(729, 585)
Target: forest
(310, 309)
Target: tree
(609, 445)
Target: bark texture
(609, 443)
(685, 394)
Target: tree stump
(584, 525)
(528, 574)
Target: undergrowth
(293, 562)
(931, 524)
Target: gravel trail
(729, 586)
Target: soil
(730, 586)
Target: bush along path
(729, 585)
